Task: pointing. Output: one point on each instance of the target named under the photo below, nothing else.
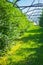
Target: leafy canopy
(41, 20)
(12, 23)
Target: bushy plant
(41, 20)
(12, 23)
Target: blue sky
(27, 2)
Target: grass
(28, 49)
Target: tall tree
(41, 20)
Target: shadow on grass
(37, 37)
(35, 58)
(35, 30)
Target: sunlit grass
(22, 49)
(14, 48)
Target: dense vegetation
(11, 24)
(41, 20)
(21, 42)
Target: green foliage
(21, 43)
(41, 20)
(12, 23)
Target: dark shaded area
(41, 19)
(39, 30)
(36, 58)
(37, 37)
(33, 59)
